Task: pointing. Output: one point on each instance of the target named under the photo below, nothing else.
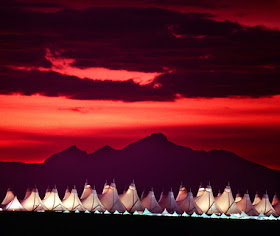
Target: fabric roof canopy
(246, 205)
(66, 194)
(150, 203)
(275, 200)
(130, 199)
(189, 206)
(72, 202)
(265, 207)
(206, 202)
(182, 194)
(53, 202)
(14, 205)
(111, 201)
(86, 192)
(91, 201)
(226, 202)
(257, 199)
(8, 197)
(169, 203)
(238, 197)
(277, 208)
(33, 202)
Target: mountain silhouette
(152, 161)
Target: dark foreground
(90, 224)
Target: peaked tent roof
(111, 200)
(92, 202)
(130, 199)
(27, 193)
(53, 202)
(238, 197)
(72, 202)
(86, 192)
(150, 203)
(218, 195)
(246, 205)
(277, 208)
(206, 202)
(14, 205)
(8, 198)
(48, 192)
(169, 203)
(105, 188)
(257, 199)
(189, 205)
(200, 191)
(226, 202)
(182, 193)
(66, 194)
(33, 202)
(275, 200)
(265, 207)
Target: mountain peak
(104, 149)
(72, 153)
(73, 147)
(154, 141)
(159, 136)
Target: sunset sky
(95, 73)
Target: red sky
(203, 73)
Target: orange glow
(36, 112)
(42, 125)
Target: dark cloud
(222, 84)
(53, 84)
(207, 58)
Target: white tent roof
(265, 207)
(105, 188)
(86, 192)
(200, 191)
(111, 201)
(48, 192)
(238, 197)
(150, 203)
(275, 200)
(182, 194)
(14, 205)
(169, 203)
(33, 202)
(226, 202)
(257, 199)
(66, 194)
(72, 202)
(246, 205)
(92, 202)
(206, 202)
(218, 195)
(9, 197)
(277, 208)
(188, 205)
(130, 199)
(27, 193)
(53, 202)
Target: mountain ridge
(152, 161)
